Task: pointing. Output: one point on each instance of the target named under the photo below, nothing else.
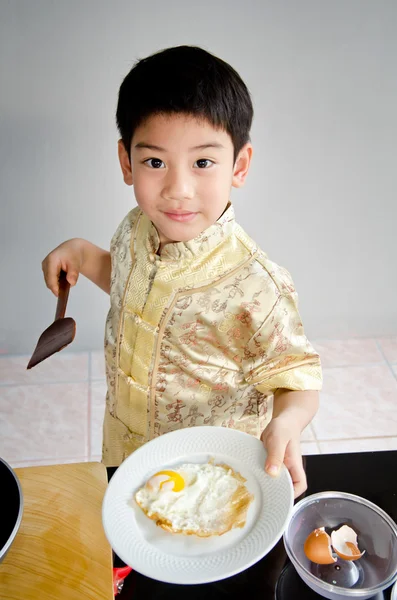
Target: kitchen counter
(60, 551)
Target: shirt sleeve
(279, 355)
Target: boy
(203, 329)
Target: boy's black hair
(190, 80)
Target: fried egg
(196, 499)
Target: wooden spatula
(61, 333)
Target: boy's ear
(125, 163)
(242, 165)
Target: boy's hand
(68, 257)
(281, 439)
(74, 257)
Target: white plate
(176, 558)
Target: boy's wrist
(79, 246)
(82, 245)
(295, 408)
(287, 421)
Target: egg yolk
(179, 482)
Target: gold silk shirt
(201, 334)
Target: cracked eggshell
(344, 542)
(318, 547)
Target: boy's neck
(165, 241)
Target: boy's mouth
(180, 216)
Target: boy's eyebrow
(210, 145)
(159, 149)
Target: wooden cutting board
(60, 551)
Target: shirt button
(152, 258)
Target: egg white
(213, 500)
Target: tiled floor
(53, 413)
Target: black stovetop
(368, 474)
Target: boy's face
(182, 171)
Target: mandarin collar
(206, 241)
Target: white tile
(361, 445)
(340, 353)
(60, 367)
(389, 347)
(98, 365)
(307, 434)
(40, 422)
(357, 402)
(309, 448)
(97, 458)
(98, 396)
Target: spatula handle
(63, 295)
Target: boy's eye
(203, 163)
(154, 163)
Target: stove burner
(290, 587)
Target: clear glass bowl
(377, 535)
(394, 592)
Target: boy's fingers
(280, 449)
(51, 273)
(72, 275)
(53, 284)
(299, 480)
(275, 447)
(51, 277)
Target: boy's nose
(178, 186)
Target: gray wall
(321, 196)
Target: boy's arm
(292, 412)
(74, 257)
(96, 265)
(299, 407)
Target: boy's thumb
(72, 276)
(275, 456)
